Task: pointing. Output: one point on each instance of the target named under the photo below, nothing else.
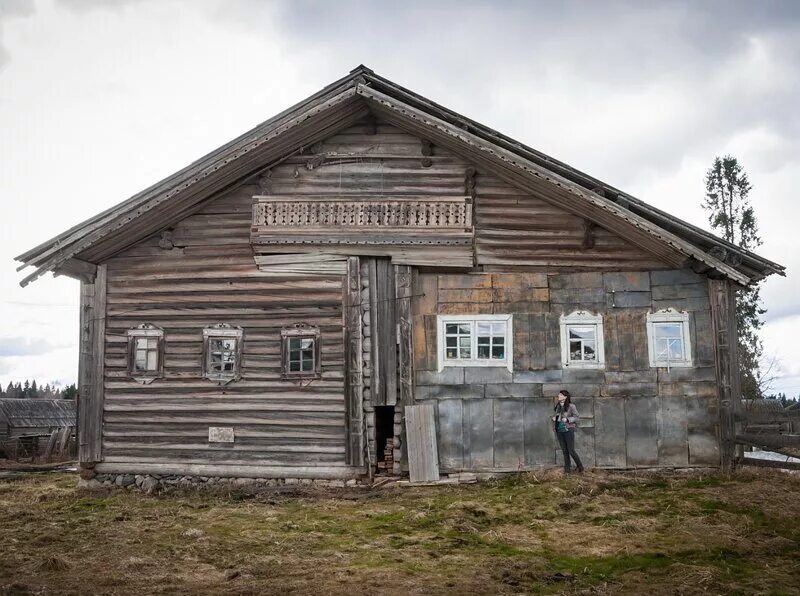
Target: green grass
(537, 534)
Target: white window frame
(507, 362)
(582, 318)
(669, 315)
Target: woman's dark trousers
(567, 442)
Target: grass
(599, 533)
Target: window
(668, 338)
(475, 340)
(300, 351)
(222, 352)
(582, 340)
(145, 353)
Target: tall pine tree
(731, 215)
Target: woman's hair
(566, 394)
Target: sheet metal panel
(451, 434)
(509, 431)
(539, 442)
(609, 428)
(641, 431)
(701, 418)
(479, 433)
(673, 435)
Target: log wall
(632, 415)
(210, 277)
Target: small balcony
(361, 220)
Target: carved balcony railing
(384, 220)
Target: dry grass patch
(605, 533)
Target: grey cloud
(10, 9)
(480, 53)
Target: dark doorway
(384, 438)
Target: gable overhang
(341, 104)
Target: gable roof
(341, 104)
(37, 413)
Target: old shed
(34, 417)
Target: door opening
(384, 439)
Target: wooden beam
(403, 275)
(354, 447)
(91, 367)
(768, 463)
(726, 357)
(77, 269)
(228, 470)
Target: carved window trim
(301, 331)
(145, 331)
(669, 315)
(506, 362)
(222, 331)
(582, 318)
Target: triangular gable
(342, 104)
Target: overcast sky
(99, 99)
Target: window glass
(301, 354)
(222, 355)
(582, 343)
(145, 354)
(669, 341)
(458, 341)
(491, 340)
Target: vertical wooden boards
(354, 449)
(627, 346)
(642, 431)
(537, 329)
(538, 431)
(723, 319)
(673, 436)
(609, 432)
(384, 332)
(403, 276)
(423, 458)
(91, 367)
(451, 434)
(509, 442)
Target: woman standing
(565, 422)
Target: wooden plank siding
(210, 277)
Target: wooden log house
(269, 310)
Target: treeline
(31, 390)
(785, 401)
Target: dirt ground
(596, 534)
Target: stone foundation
(151, 483)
